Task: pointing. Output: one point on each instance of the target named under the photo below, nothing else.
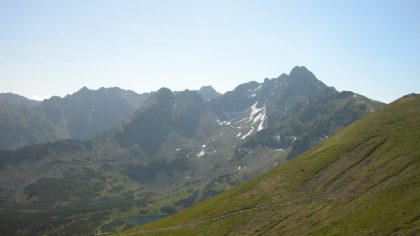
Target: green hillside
(363, 180)
(176, 150)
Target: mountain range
(95, 158)
(364, 180)
(81, 115)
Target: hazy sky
(56, 47)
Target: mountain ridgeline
(362, 181)
(155, 153)
(208, 93)
(81, 115)
(150, 125)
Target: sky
(56, 47)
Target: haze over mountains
(362, 181)
(126, 154)
(81, 115)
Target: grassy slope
(381, 151)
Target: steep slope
(22, 125)
(286, 115)
(87, 113)
(15, 99)
(150, 126)
(208, 93)
(363, 180)
(177, 149)
(81, 115)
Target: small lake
(142, 219)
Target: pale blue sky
(56, 47)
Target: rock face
(362, 180)
(14, 99)
(296, 110)
(81, 115)
(87, 113)
(187, 111)
(149, 127)
(208, 93)
(174, 150)
(22, 125)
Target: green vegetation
(177, 149)
(363, 180)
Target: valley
(209, 118)
(363, 180)
(175, 150)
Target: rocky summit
(154, 154)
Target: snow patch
(249, 133)
(257, 115)
(255, 89)
(223, 122)
(261, 125)
(202, 153)
(239, 135)
(242, 120)
(254, 110)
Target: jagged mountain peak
(148, 128)
(283, 91)
(164, 111)
(189, 95)
(163, 95)
(186, 113)
(84, 88)
(163, 92)
(160, 97)
(247, 86)
(84, 91)
(88, 112)
(207, 87)
(300, 75)
(299, 69)
(208, 92)
(108, 90)
(174, 140)
(358, 172)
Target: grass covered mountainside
(177, 149)
(363, 180)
